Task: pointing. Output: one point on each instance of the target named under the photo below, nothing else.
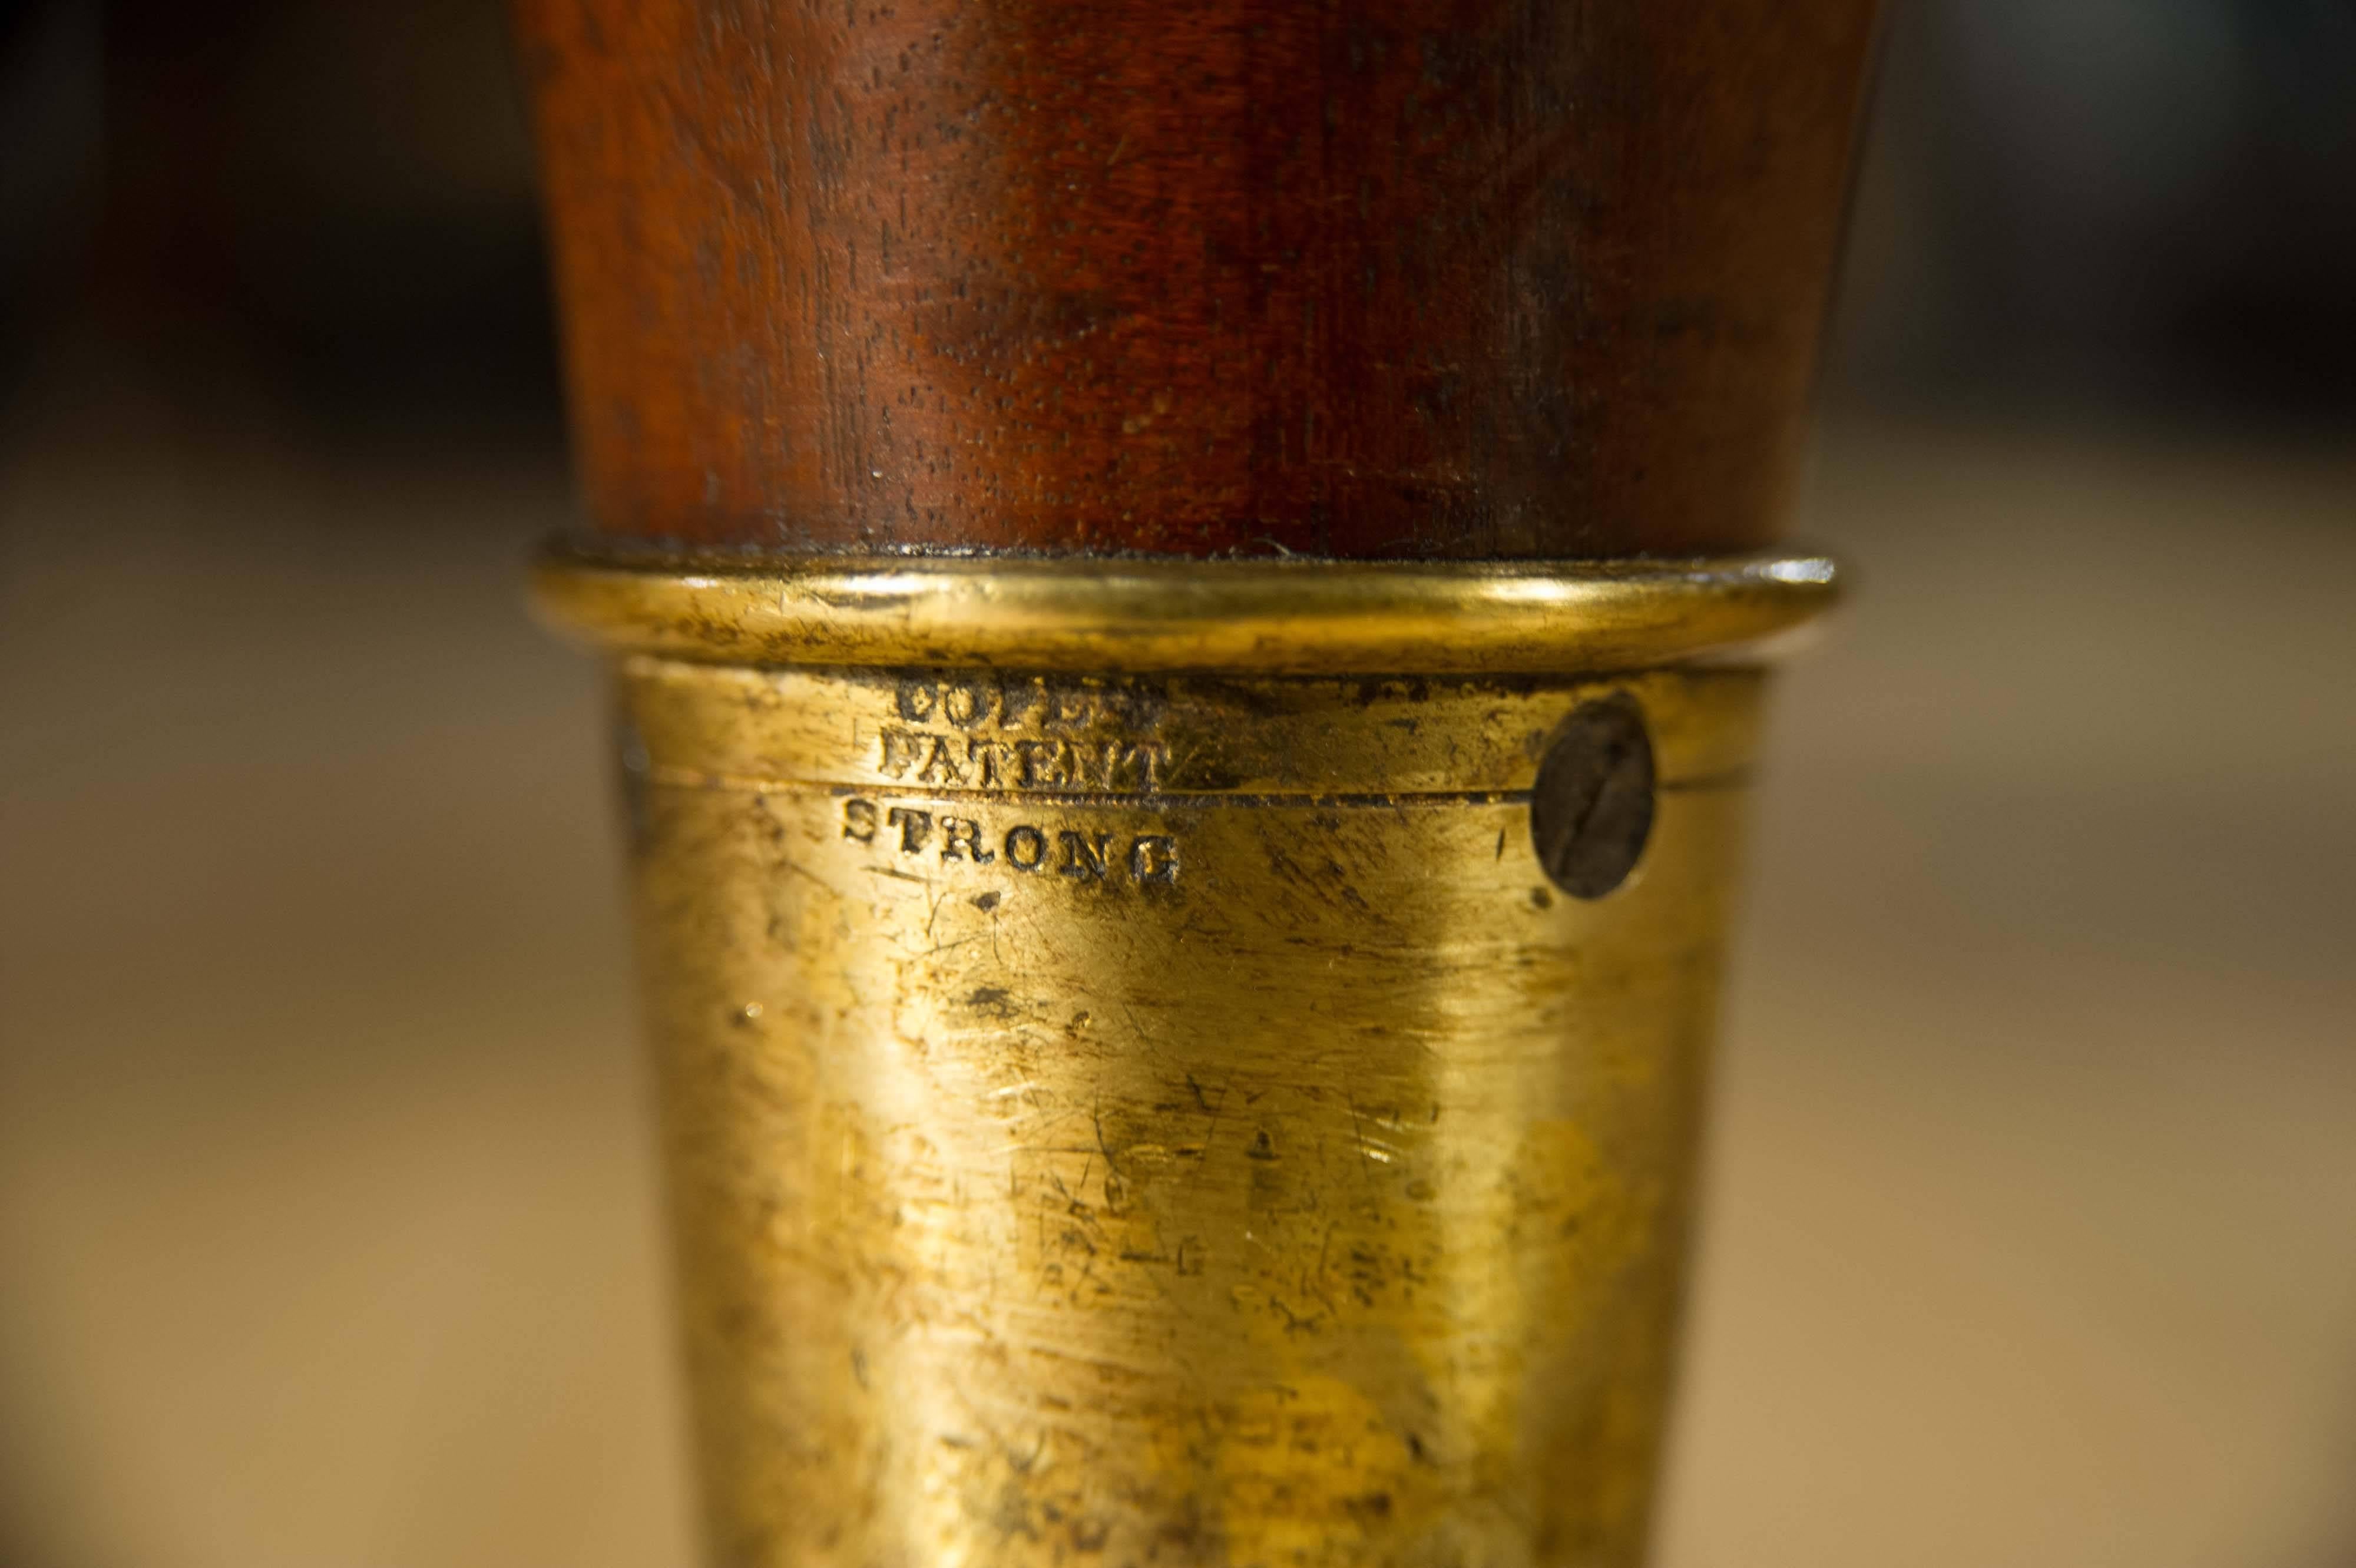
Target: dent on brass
(1165, 1115)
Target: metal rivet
(1592, 808)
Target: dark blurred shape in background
(331, 202)
(2139, 202)
(327, 1218)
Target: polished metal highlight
(1136, 1088)
(1097, 616)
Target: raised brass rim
(1292, 617)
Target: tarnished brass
(1127, 1106)
(1094, 616)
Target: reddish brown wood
(1376, 278)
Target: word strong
(1084, 854)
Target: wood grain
(1402, 278)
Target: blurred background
(328, 1226)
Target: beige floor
(326, 1233)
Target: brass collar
(1290, 617)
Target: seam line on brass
(683, 778)
(699, 779)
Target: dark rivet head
(1592, 808)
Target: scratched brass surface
(1138, 1117)
(325, 1225)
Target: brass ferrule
(1182, 1063)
